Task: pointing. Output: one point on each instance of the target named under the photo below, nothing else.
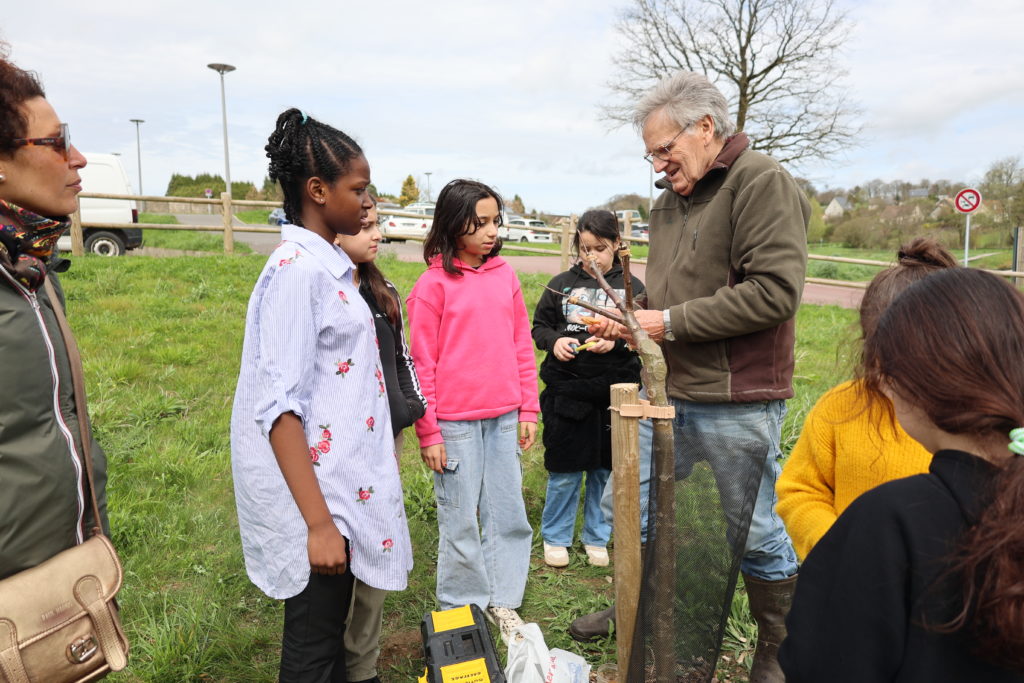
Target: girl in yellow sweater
(849, 444)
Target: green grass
(161, 340)
(185, 240)
(254, 217)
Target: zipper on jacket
(33, 300)
(686, 216)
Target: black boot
(769, 605)
(592, 626)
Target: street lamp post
(429, 198)
(223, 69)
(138, 149)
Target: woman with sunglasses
(44, 496)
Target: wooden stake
(626, 485)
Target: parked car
(634, 217)
(104, 174)
(277, 217)
(423, 208)
(400, 228)
(517, 229)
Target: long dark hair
(953, 346)
(302, 147)
(16, 86)
(455, 216)
(371, 274)
(602, 224)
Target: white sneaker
(555, 555)
(506, 619)
(597, 555)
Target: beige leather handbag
(59, 620)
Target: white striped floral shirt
(310, 348)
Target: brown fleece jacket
(729, 262)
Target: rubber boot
(597, 625)
(592, 626)
(769, 605)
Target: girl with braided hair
(316, 482)
(921, 579)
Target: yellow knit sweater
(844, 450)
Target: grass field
(161, 341)
(184, 240)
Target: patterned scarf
(27, 241)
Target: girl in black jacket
(407, 404)
(577, 374)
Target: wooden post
(627, 224)
(1018, 256)
(77, 238)
(568, 231)
(626, 485)
(229, 233)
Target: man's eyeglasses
(61, 143)
(663, 152)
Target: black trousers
(313, 647)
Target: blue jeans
(563, 497)
(752, 431)
(485, 562)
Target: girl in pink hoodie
(474, 355)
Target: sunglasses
(61, 143)
(663, 152)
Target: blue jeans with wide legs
(754, 431)
(483, 549)
(563, 497)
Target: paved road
(261, 242)
(844, 297)
(264, 243)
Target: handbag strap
(78, 382)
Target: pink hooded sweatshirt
(471, 344)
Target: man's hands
(652, 322)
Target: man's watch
(667, 317)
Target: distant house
(917, 193)
(837, 208)
(901, 213)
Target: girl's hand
(600, 345)
(435, 457)
(326, 547)
(527, 434)
(563, 348)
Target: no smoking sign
(967, 200)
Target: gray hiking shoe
(592, 626)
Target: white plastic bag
(530, 661)
(527, 655)
(566, 667)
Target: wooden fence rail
(227, 205)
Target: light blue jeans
(731, 437)
(482, 562)
(563, 497)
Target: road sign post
(967, 202)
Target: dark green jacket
(729, 263)
(44, 502)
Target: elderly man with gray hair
(725, 272)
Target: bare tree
(777, 61)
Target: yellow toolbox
(458, 647)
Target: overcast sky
(504, 92)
